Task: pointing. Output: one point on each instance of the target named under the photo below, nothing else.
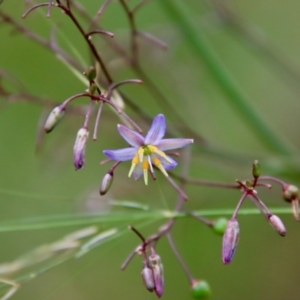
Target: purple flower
(147, 151)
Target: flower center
(146, 159)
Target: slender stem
(102, 8)
(134, 46)
(105, 32)
(201, 182)
(66, 102)
(239, 204)
(97, 121)
(69, 13)
(179, 258)
(268, 212)
(277, 180)
(28, 11)
(203, 220)
(88, 114)
(177, 188)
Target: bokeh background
(257, 43)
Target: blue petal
(168, 165)
(170, 144)
(156, 131)
(133, 138)
(121, 154)
(138, 171)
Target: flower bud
(90, 73)
(106, 183)
(54, 117)
(200, 289)
(79, 147)
(219, 226)
(230, 240)
(256, 169)
(148, 278)
(158, 273)
(290, 193)
(277, 224)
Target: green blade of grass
(202, 48)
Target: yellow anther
(145, 165)
(158, 164)
(152, 148)
(162, 154)
(134, 162)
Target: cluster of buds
(153, 274)
(232, 232)
(153, 271)
(111, 97)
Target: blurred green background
(257, 42)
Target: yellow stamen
(152, 148)
(158, 164)
(145, 167)
(162, 154)
(134, 162)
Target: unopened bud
(158, 273)
(230, 240)
(54, 117)
(277, 224)
(79, 147)
(148, 278)
(200, 289)
(219, 226)
(106, 183)
(256, 169)
(290, 193)
(90, 73)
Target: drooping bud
(256, 170)
(277, 224)
(158, 273)
(54, 117)
(79, 147)
(90, 73)
(200, 289)
(106, 183)
(219, 226)
(148, 278)
(230, 240)
(291, 194)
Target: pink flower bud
(79, 147)
(158, 273)
(148, 278)
(277, 225)
(230, 240)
